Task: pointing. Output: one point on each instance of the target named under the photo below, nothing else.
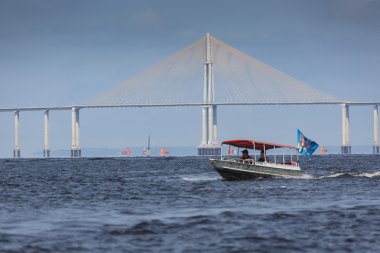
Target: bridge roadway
(76, 150)
(81, 106)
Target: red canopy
(258, 145)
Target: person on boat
(245, 155)
(262, 157)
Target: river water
(179, 204)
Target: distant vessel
(164, 152)
(147, 152)
(126, 152)
(323, 150)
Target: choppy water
(182, 205)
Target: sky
(65, 52)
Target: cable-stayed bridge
(207, 74)
(232, 76)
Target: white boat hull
(235, 170)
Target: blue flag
(305, 145)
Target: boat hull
(233, 170)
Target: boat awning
(258, 145)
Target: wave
(350, 174)
(369, 174)
(194, 178)
(372, 174)
(335, 175)
(304, 176)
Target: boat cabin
(259, 152)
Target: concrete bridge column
(73, 138)
(204, 126)
(77, 132)
(210, 125)
(376, 149)
(46, 150)
(215, 126)
(17, 148)
(210, 101)
(204, 109)
(75, 145)
(346, 147)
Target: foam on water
(333, 175)
(204, 177)
(369, 174)
(352, 174)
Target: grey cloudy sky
(64, 52)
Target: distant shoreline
(173, 151)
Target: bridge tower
(209, 144)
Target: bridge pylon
(209, 144)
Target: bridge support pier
(46, 153)
(346, 147)
(17, 149)
(376, 148)
(209, 151)
(209, 133)
(75, 143)
(209, 145)
(46, 150)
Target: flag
(305, 145)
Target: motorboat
(278, 164)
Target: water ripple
(182, 205)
